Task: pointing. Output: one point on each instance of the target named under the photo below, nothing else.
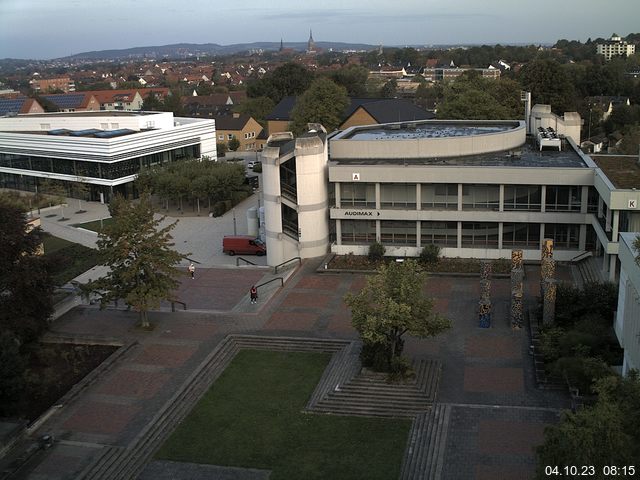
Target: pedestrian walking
(254, 294)
(192, 270)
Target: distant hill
(182, 50)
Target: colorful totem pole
(548, 286)
(484, 306)
(517, 290)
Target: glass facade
(361, 195)
(521, 235)
(481, 234)
(564, 236)
(439, 196)
(480, 197)
(563, 198)
(398, 232)
(522, 197)
(444, 234)
(104, 170)
(400, 196)
(358, 232)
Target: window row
(445, 234)
(444, 196)
(104, 170)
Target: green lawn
(68, 259)
(96, 225)
(251, 417)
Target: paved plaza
(497, 413)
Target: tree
(25, 282)
(234, 144)
(388, 90)
(140, 257)
(152, 103)
(631, 141)
(288, 79)
(605, 434)
(353, 78)
(258, 108)
(636, 245)
(549, 84)
(12, 366)
(391, 305)
(324, 102)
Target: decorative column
(548, 284)
(484, 306)
(517, 289)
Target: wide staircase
(589, 270)
(120, 463)
(424, 455)
(370, 394)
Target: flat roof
(527, 155)
(407, 131)
(622, 170)
(96, 113)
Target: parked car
(251, 165)
(243, 245)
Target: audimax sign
(361, 213)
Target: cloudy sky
(54, 28)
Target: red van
(243, 245)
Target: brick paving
(497, 413)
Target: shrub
(400, 369)
(257, 168)
(582, 372)
(376, 252)
(430, 254)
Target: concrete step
(424, 456)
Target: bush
(257, 168)
(218, 209)
(582, 372)
(430, 254)
(376, 252)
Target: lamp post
(235, 231)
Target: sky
(44, 29)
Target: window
(230, 136)
(442, 196)
(480, 197)
(398, 196)
(398, 232)
(522, 197)
(358, 195)
(482, 235)
(444, 234)
(563, 198)
(526, 235)
(358, 232)
(564, 236)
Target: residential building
(16, 105)
(103, 149)
(360, 111)
(604, 105)
(440, 74)
(212, 105)
(119, 99)
(627, 315)
(615, 47)
(477, 189)
(74, 102)
(47, 85)
(240, 126)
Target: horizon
(42, 30)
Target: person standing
(254, 294)
(192, 270)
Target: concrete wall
(344, 148)
(627, 319)
(83, 121)
(568, 125)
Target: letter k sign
(633, 204)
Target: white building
(627, 320)
(104, 149)
(477, 189)
(614, 47)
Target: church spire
(311, 45)
(281, 45)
